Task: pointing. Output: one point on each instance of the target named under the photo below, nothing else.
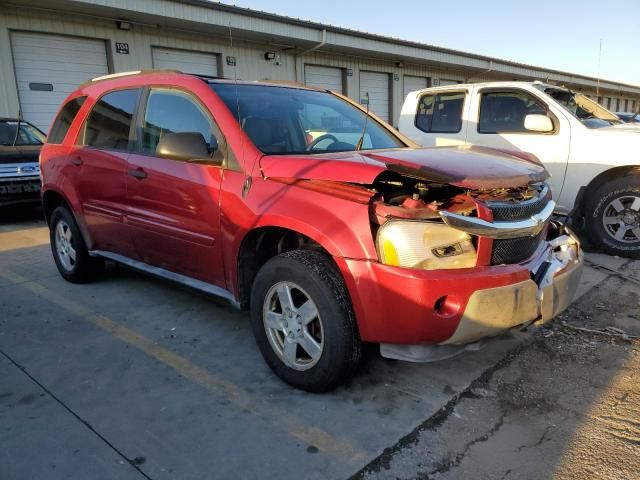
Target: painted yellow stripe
(239, 397)
(31, 237)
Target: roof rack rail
(132, 72)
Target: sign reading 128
(122, 48)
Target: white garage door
(197, 63)
(323, 77)
(377, 85)
(49, 67)
(411, 84)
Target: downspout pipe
(315, 47)
(490, 69)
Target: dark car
(20, 144)
(628, 117)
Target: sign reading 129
(122, 48)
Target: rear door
(100, 163)
(174, 205)
(500, 124)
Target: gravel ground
(566, 405)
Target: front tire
(69, 250)
(303, 321)
(613, 216)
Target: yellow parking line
(31, 237)
(236, 395)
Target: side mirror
(187, 146)
(538, 123)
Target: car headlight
(425, 245)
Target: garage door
(197, 63)
(49, 67)
(411, 84)
(323, 77)
(377, 85)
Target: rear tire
(613, 216)
(69, 250)
(303, 321)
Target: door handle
(77, 161)
(138, 174)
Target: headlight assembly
(425, 245)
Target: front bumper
(408, 311)
(19, 190)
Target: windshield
(590, 113)
(28, 135)
(285, 120)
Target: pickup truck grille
(517, 250)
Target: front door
(501, 125)
(174, 205)
(100, 165)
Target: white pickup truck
(593, 158)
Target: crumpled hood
(465, 167)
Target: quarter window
(172, 111)
(109, 123)
(440, 113)
(64, 119)
(504, 112)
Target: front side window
(26, 135)
(109, 123)
(64, 119)
(285, 120)
(504, 112)
(173, 111)
(440, 113)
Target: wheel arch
(52, 199)
(262, 243)
(598, 181)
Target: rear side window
(504, 112)
(64, 120)
(109, 123)
(440, 113)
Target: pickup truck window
(583, 108)
(64, 119)
(504, 111)
(286, 120)
(440, 113)
(109, 122)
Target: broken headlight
(425, 245)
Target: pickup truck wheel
(303, 322)
(613, 216)
(69, 250)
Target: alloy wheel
(293, 325)
(64, 246)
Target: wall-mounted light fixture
(269, 55)
(123, 25)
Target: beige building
(48, 47)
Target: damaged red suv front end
(327, 224)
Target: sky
(562, 35)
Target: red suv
(294, 202)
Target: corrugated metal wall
(251, 64)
